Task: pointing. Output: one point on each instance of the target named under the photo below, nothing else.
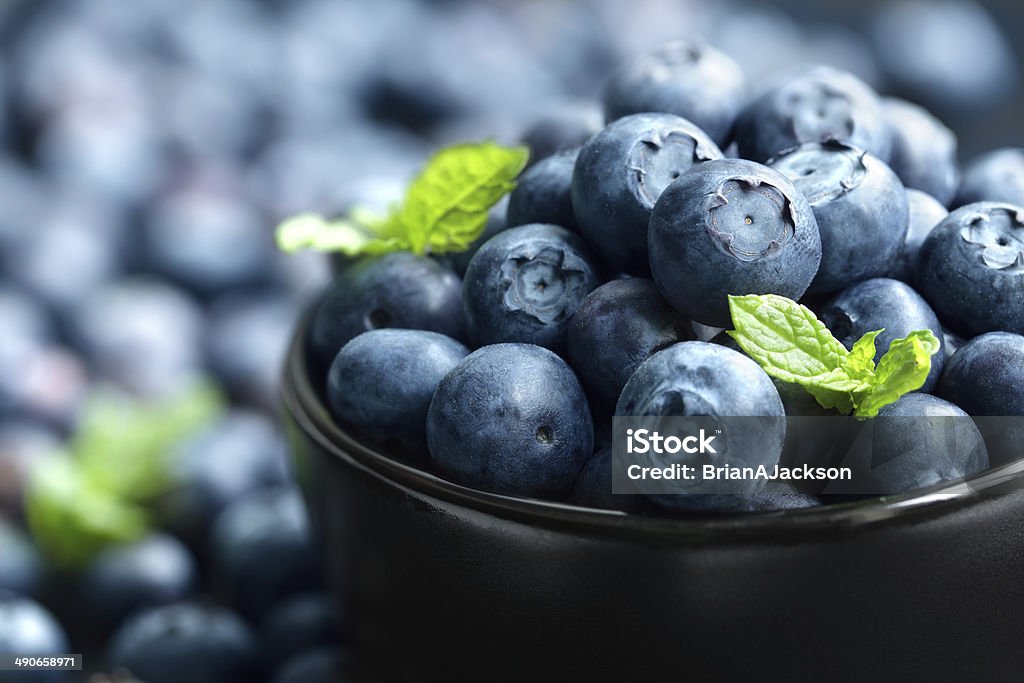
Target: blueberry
(882, 304)
(511, 418)
(925, 213)
(41, 383)
(21, 566)
(207, 240)
(731, 227)
(525, 283)
(543, 193)
(382, 381)
(301, 623)
(688, 78)
(240, 453)
(66, 258)
(923, 150)
(971, 268)
(395, 290)
(27, 628)
(997, 176)
(124, 330)
(188, 641)
(564, 127)
(617, 327)
(860, 206)
(985, 375)
(701, 379)
(918, 441)
(410, 89)
(619, 175)
(593, 486)
(816, 105)
(263, 551)
(950, 53)
(123, 579)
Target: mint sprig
(444, 209)
(789, 342)
(95, 495)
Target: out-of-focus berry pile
(148, 150)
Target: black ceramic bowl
(446, 583)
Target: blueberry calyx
(817, 112)
(999, 234)
(823, 177)
(653, 171)
(677, 54)
(542, 285)
(739, 228)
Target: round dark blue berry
(816, 105)
(688, 78)
(971, 269)
(525, 283)
(394, 290)
(731, 227)
(511, 418)
(543, 193)
(860, 207)
(619, 175)
(883, 304)
(382, 381)
(617, 327)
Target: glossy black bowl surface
(446, 583)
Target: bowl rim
(302, 403)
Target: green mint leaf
(786, 339)
(831, 399)
(348, 236)
(445, 208)
(72, 518)
(124, 446)
(860, 364)
(789, 342)
(903, 369)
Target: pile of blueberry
(147, 149)
(602, 287)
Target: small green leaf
(785, 338)
(72, 518)
(350, 237)
(123, 446)
(860, 364)
(903, 369)
(445, 208)
(789, 342)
